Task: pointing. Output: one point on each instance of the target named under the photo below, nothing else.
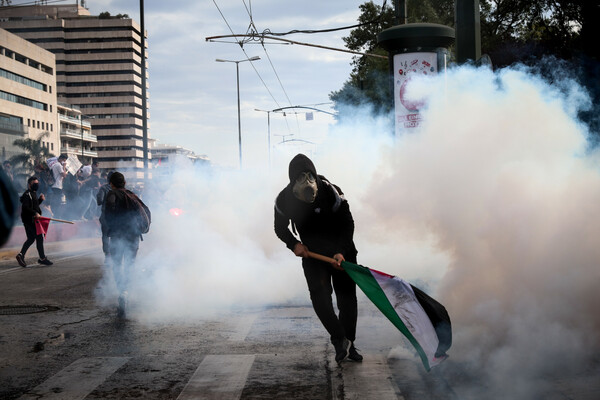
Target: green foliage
(511, 31)
(34, 153)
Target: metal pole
(468, 30)
(144, 102)
(269, 130)
(237, 70)
(81, 126)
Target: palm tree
(34, 153)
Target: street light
(268, 130)
(237, 70)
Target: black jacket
(30, 205)
(119, 217)
(326, 226)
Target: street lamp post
(237, 70)
(268, 131)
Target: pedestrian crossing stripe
(77, 380)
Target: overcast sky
(193, 99)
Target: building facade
(98, 70)
(76, 136)
(28, 106)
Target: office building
(27, 95)
(98, 70)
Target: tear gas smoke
(492, 205)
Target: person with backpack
(320, 214)
(126, 217)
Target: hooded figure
(320, 215)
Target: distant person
(58, 175)
(319, 212)
(30, 211)
(101, 202)
(8, 207)
(122, 211)
(8, 170)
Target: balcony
(77, 151)
(75, 121)
(74, 134)
(13, 129)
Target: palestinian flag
(423, 321)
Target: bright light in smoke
(176, 212)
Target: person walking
(321, 215)
(101, 201)
(122, 209)
(59, 173)
(30, 211)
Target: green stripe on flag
(364, 279)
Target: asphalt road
(75, 348)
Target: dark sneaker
(45, 261)
(353, 354)
(21, 260)
(341, 350)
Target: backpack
(141, 212)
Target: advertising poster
(407, 66)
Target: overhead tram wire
(240, 43)
(255, 30)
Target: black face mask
(35, 186)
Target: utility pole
(468, 30)
(144, 102)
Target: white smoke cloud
(491, 206)
(501, 177)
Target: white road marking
(371, 376)
(219, 377)
(242, 327)
(78, 379)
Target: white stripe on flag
(77, 380)
(219, 377)
(402, 298)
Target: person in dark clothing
(101, 200)
(319, 212)
(30, 211)
(123, 233)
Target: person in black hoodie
(120, 219)
(319, 212)
(30, 211)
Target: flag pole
(59, 220)
(321, 258)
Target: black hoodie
(30, 205)
(326, 226)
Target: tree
(34, 153)
(369, 81)
(512, 31)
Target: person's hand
(338, 261)
(36, 216)
(42, 197)
(301, 250)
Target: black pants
(320, 276)
(123, 250)
(32, 236)
(105, 238)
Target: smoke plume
(491, 206)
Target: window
(38, 124)
(52, 146)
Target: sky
(193, 99)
